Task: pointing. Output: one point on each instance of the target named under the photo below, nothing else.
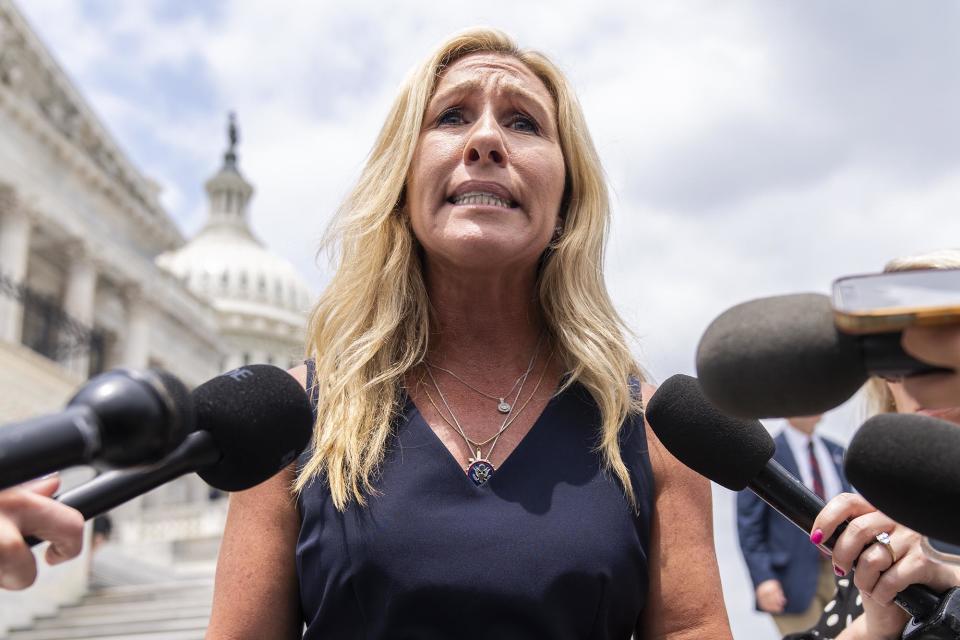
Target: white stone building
(94, 274)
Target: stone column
(137, 345)
(14, 252)
(79, 300)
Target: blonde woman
(480, 466)
(879, 573)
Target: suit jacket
(774, 547)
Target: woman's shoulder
(300, 373)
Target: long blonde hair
(372, 323)
(876, 393)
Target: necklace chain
(509, 420)
(502, 405)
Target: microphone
(737, 454)
(121, 418)
(908, 466)
(251, 423)
(784, 356)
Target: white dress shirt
(798, 441)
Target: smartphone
(889, 302)
(940, 551)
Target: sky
(752, 148)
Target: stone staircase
(129, 604)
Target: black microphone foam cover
(908, 466)
(180, 404)
(779, 357)
(260, 419)
(729, 451)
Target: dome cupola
(255, 291)
(228, 193)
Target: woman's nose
(485, 144)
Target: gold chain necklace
(502, 405)
(480, 468)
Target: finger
(45, 486)
(934, 345)
(18, 568)
(840, 509)
(50, 520)
(870, 567)
(934, 390)
(861, 531)
(908, 570)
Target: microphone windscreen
(908, 466)
(260, 419)
(727, 450)
(180, 404)
(779, 357)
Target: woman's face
(907, 404)
(487, 177)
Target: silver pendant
(504, 406)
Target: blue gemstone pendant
(479, 471)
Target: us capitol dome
(261, 300)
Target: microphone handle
(39, 446)
(116, 487)
(781, 490)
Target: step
(156, 587)
(147, 607)
(159, 635)
(97, 632)
(185, 597)
(125, 616)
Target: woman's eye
(520, 122)
(450, 116)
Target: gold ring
(884, 539)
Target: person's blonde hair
(877, 396)
(372, 323)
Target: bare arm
(685, 599)
(256, 594)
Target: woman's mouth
(482, 199)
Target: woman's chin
(483, 249)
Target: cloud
(753, 148)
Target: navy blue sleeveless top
(549, 547)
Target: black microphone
(783, 356)
(251, 423)
(737, 454)
(908, 466)
(120, 418)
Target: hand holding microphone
(29, 509)
(737, 454)
(784, 356)
(882, 569)
(251, 423)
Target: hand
(29, 510)
(938, 346)
(877, 577)
(770, 596)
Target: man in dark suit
(793, 580)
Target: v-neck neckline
(415, 416)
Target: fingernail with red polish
(840, 572)
(816, 537)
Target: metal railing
(52, 332)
